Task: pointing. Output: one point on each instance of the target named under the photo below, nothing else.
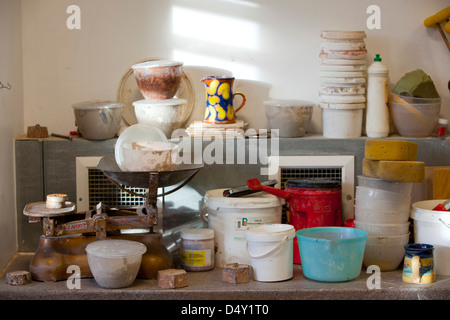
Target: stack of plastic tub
(382, 209)
(342, 83)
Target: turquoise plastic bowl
(331, 254)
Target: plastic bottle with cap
(442, 128)
(377, 113)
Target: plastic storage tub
(402, 188)
(387, 252)
(378, 216)
(433, 227)
(377, 229)
(331, 254)
(115, 263)
(375, 204)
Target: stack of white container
(342, 83)
(382, 209)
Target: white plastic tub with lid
(230, 217)
(115, 263)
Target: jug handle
(270, 252)
(243, 100)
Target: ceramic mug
(418, 266)
(219, 100)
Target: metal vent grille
(310, 173)
(101, 189)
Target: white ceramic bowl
(149, 156)
(98, 120)
(166, 115)
(136, 132)
(386, 252)
(115, 263)
(290, 117)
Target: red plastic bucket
(313, 203)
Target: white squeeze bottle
(377, 112)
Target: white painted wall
(271, 47)
(11, 120)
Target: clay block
(18, 278)
(236, 273)
(172, 278)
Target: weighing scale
(66, 233)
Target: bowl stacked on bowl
(383, 199)
(382, 210)
(158, 82)
(343, 83)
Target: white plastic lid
(197, 234)
(97, 105)
(215, 200)
(156, 63)
(174, 101)
(115, 248)
(338, 34)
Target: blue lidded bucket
(331, 254)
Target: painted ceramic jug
(219, 100)
(418, 265)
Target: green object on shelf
(416, 84)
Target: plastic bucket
(378, 229)
(270, 248)
(231, 217)
(402, 188)
(342, 121)
(331, 254)
(313, 203)
(433, 227)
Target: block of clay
(404, 171)
(397, 150)
(18, 278)
(172, 278)
(236, 273)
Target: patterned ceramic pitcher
(219, 100)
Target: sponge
(390, 150)
(439, 17)
(404, 171)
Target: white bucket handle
(267, 254)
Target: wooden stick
(443, 35)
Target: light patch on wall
(215, 28)
(240, 70)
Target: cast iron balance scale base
(66, 233)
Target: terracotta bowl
(158, 79)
